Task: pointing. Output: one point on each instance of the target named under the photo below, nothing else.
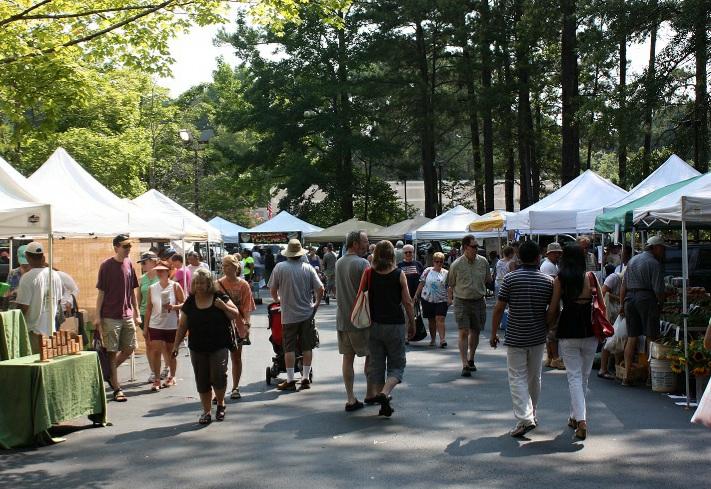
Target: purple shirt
(183, 273)
(116, 281)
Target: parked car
(699, 264)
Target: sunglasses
(407, 252)
(438, 261)
(126, 247)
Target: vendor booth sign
(269, 238)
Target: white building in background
(414, 195)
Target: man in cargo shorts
(292, 283)
(466, 287)
(642, 294)
(352, 341)
(116, 308)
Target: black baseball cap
(121, 239)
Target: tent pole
(684, 300)
(52, 301)
(632, 241)
(12, 255)
(207, 243)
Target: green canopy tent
(622, 216)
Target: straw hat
(293, 249)
(554, 248)
(231, 260)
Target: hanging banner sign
(269, 238)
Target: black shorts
(432, 309)
(642, 314)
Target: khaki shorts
(304, 332)
(354, 342)
(118, 334)
(470, 313)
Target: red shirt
(117, 281)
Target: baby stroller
(278, 366)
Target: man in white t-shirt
(33, 294)
(194, 262)
(550, 264)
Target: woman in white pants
(577, 343)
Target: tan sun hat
(231, 259)
(293, 249)
(554, 248)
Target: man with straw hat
(550, 267)
(292, 284)
(550, 264)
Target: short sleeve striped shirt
(528, 292)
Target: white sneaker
(164, 373)
(151, 378)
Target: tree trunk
(622, 94)
(524, 119)
(506, 118)
(426, 123)
(570, 151)
(650, 98)
(476, 146)
(345, 151)
(596, 85)
(535, 169)
(701, 126)
(488, 130)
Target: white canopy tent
(401, 230)
(687, 203)
(557, 213)
(193, 228)
(21, 211)
(230, 231)
(81, 206)
(338, 232)
(453, 224)
(285, 223)
(691, 204)
(671, 171)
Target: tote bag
(360, 314)
(600, 325)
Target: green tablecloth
(14, 337)
(34, 396)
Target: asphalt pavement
(447, 431)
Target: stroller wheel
(311, 376)
(269, 376)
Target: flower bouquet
(698, 360)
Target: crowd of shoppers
(543, 302)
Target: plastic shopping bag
(616, 343)
(703, 411)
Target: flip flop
(606, 376)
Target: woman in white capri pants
(577, 343)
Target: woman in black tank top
(387, 294)
(577, 343)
